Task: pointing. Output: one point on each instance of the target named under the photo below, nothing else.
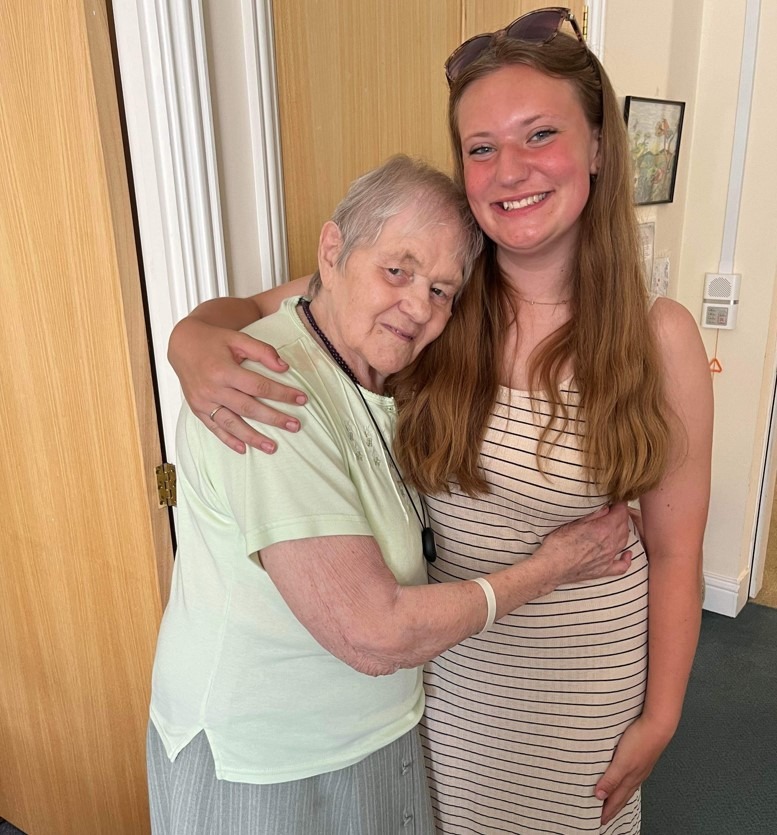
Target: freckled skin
(523, 134)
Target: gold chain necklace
(532, 302)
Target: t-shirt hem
(172, 749)
(259, 777)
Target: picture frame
(654, 128)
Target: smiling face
(389, 300)
(528, 153)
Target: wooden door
(490, 15)
(359, 80)
(84, 548)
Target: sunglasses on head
(537, 27)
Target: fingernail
(301, 400)
(292, 425)
(268, 447)
(601, 795)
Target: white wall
(649, 51)
(747, 354)
(692, 50)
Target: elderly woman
(287, 682)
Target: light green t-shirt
(231, 657)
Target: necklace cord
(427, 535)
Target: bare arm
(205, 351)
(341, 590)
(674, 516)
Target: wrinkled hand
(207, 361)
(592, 547)
(638, 751)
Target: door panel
(359, 80)
(84, 545)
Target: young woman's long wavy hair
(446, 397)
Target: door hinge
(585, 23)
(165, 485)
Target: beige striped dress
(522, 721)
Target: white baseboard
(725, 595)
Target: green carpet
(719, 774)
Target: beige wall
(747, 354)
(688, 50)
(650, 51)
(699, 63)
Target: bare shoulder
(269, 301)
(672, 321)
(682, 351)
(676, 333)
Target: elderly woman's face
(392, 299)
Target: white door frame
(597, 11)
(164, 81)
(760, 524)
(763, 516)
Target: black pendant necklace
(428, 545)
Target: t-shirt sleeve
(302, 490)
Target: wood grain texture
(358, 80)
(491, 15)
(83, 543)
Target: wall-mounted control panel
(721, 300)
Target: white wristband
(490, 601)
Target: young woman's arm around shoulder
(206, 349)
(674, 515)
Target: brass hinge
(165, 485)
(585, 23)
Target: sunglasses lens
(466, 54)
(537, 27)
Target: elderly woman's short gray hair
(386, 191)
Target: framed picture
(654, 127)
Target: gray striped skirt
(384, 794)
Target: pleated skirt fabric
(385, 794)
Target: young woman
(568, 388)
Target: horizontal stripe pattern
(522, 721)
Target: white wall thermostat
(721, 300)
